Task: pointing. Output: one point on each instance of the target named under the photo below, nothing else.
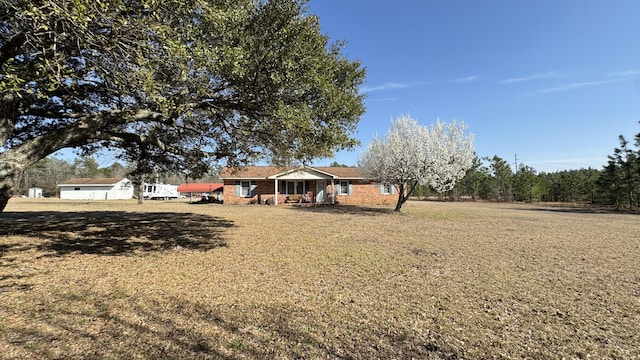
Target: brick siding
(362, 193)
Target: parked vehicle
(159, 191)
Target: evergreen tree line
(492, 179)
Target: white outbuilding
(35, 192)
(96, 189)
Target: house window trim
(386, 189)
(341, 186)
(245, 185)
(240, 186)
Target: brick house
(306, 184)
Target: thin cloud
(578, 85)
(380, 99)
(547, 75)
(393, 85)
(627, 73)
(466, 79)
(385, 86)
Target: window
(295, 187)
(344, 187)
(246, 188)
(386, 188)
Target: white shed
(35, 192)
(96, 189)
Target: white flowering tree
(412, 155)
(451, 154)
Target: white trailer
(156, 191)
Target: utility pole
(516, 158)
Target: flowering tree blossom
(412, 154)
(451, 154)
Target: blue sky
(551, 81)
(554, 82)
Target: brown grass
(440, 281)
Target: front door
(321, 189)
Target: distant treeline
(616, 184)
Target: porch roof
(304, 172)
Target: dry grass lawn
(441, 281)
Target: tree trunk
(5, 195)
(138, 183)
(401, 198)
(9, 172)
(401, 201)
(404, 190)
(140, 194)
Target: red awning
(200, 187)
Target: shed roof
(91, 181)
(200, 187)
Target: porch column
(276, 194)
(333, 195)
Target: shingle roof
(263, 172)
(251, 172)
(92, 181)
(342, 171)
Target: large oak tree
(173, 84)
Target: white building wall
(118, 191)
(35, 192)
(124, 190)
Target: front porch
(293, 187)
(302, 186)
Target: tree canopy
(174, 84)
(412, 154)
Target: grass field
(439, 281)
